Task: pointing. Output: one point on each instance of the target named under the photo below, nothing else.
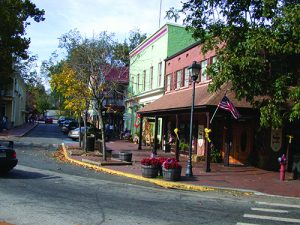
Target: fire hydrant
(282, 162)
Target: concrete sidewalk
(244, 179)
(18, 131)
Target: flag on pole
(226, 104)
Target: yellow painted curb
(163, 183)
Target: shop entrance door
(242, 143)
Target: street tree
(92, 61)
(74, 91)
(14, 16)
(258, 48)
(122, 50)
(37, 98)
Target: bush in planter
(171, 169)
(215, 155)
(183, 146)
(150, 167)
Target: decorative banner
(137, 121)
(207, 131)
(176, 130)
(200, 135)
(290, 137)
(276, 139)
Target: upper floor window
(131, 87)
(168, 82)
(178, 78)
(151, 77)
(213, 60)
(186, 77)
(203, 70)
(159, 74)
(144, 81)
(138, 83)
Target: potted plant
(161, 161)
(171, 169)
(150, 167)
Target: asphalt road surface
(42, 190)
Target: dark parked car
(8, 156)
(48, 120)
(63, 119)
(67, 126)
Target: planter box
(171, 174)
(125, 156)
(149, 171)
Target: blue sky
(91, 17)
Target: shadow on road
(21, 174)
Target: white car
(74, 134)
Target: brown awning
(180, 100)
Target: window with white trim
(186, 77)
(203, 70)
(159, 74)
(151, 77)
(168, 82)
(138, 88)
(178, 79)
(144, 81)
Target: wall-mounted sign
(200, 135)
(276, 139)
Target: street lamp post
(194, 72)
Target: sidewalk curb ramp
(159, 182)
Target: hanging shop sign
(137, 120)
(276, 139)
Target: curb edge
(162, 183)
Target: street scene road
(43, 190)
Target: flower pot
(149, 171)
(171, 174)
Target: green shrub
(215, 155)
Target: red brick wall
(184, 60)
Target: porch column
(227, 130)
(140, 133)
(154, 150)
(164, 136)
(207, 147)
(177, 141)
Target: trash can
(296, 167)
(98, 145)
(90, 143)
(125, 156)
(108, 153)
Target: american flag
(227, 105)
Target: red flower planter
(171, 174)
(149, 171)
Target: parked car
(67, 126)
(49, 120)
(62, 119)
(74, 134)
(8, 156)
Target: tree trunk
(80, 139)
(85, 131)
(101, 126)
